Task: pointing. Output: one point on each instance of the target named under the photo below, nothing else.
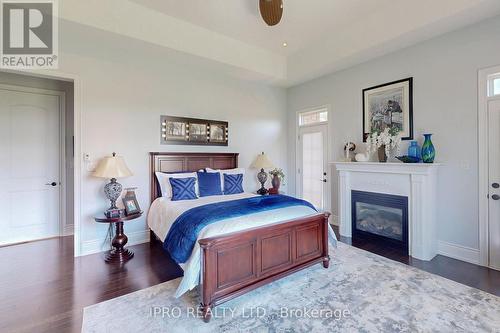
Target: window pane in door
(312, 168)
(496, 86)
(313, 117)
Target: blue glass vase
(428, 150)
(414, 150)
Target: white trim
(335, 220)
(96, 245)
(482, 119)
(459, 252)
(68, 230)
(62, 163)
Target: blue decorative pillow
(233, 184)
(183, 188)
(209, 184)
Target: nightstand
(119, 254)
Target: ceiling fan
(271, 11)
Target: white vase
(361, 157)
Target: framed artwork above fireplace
(389, 105)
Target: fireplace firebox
(380, 218)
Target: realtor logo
(29, 34)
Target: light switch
(86, 157)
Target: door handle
(495, 185)
(495, 197)
(51, 184)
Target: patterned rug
(360, 292)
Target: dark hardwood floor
(43, 288)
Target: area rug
(360, 292)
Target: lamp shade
(112, 167)
(262, 162)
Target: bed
(234, 256)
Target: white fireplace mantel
(417, 181)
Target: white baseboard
(68, 230)
(97, 245)
(459, 252)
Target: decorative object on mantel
(112, 167)
(414, 150)
(381, 153)
(262, 162)
(191, 131)
(348, 148)
(408, 159)
(130, 202)
(362, 157)
(385, 142)
(428, 150)
(389, 105)
(278, 178)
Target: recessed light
(285, 44)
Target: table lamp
(262, 162)
(112, 167)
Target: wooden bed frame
(235, 263)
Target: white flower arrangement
(390, 138)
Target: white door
(312, 165)
(494, 182)
(29, 164)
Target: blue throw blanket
(184, 232)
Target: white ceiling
(302, 23)
(322, 35)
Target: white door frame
(298, 189)
(78, 138)
(61, 146)
(483, 199)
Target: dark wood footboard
(236, 263)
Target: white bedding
(164, 212)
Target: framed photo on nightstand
(130, 202)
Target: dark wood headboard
(187, 162)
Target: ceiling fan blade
(271, 11)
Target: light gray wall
(67, 88)
(126, 85)
(445, 73)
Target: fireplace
(382, 218)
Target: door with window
(494, 180)
(29, 164)
(312, 160)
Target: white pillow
(166, 188)
(235, 171)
